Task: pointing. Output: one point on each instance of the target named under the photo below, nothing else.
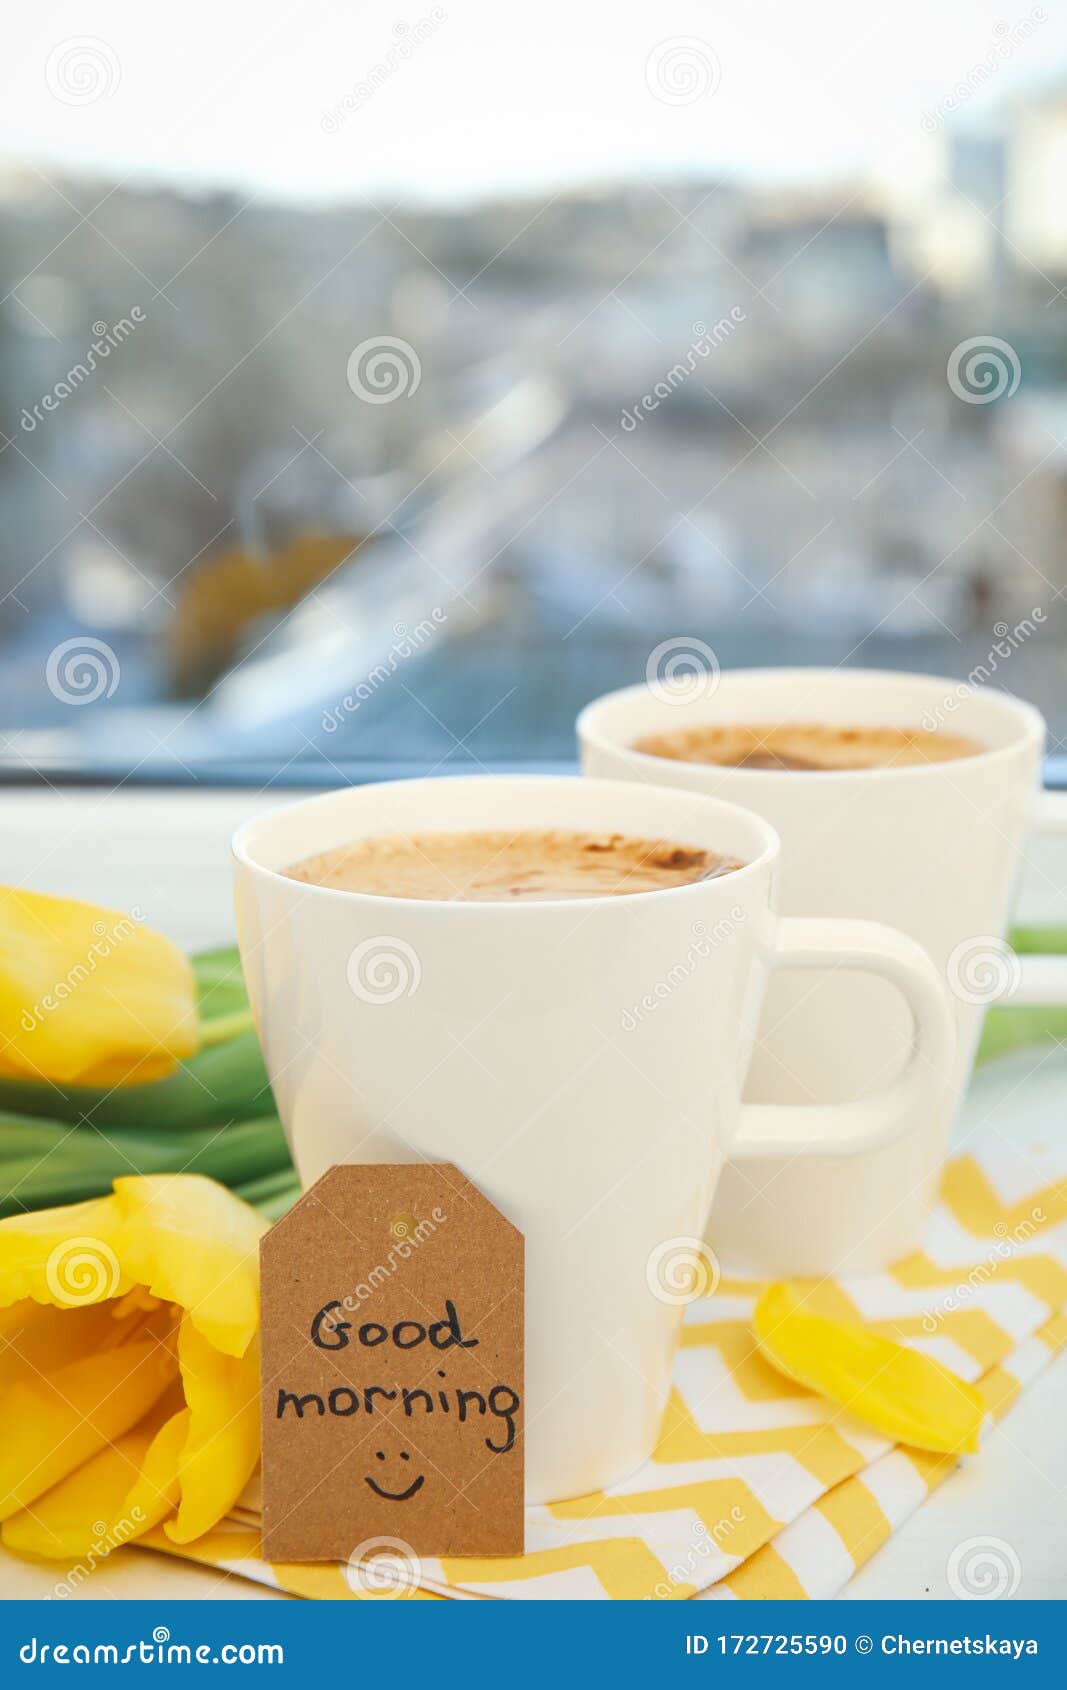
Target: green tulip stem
(223, 1027)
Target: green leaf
(43, 1163)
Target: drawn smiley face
(395, 1495)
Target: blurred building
(756, 434)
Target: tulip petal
(112, 1071)
(52, 1425)
(899, 1391)
(222, 1445)
(89, 996)
(36, 1340)
(90, 1354)
(113, 1499)
(67, 1256)
(192, 1242)
(157, 1489)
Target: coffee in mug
(806, 746)
(487, 865)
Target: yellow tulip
(129, 1365)
(89, 996)
(900, 1392)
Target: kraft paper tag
(392, 1385)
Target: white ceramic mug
(581, 1060)
(935, 850)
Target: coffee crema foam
(487, 866)
(807, 746)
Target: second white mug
(935, 849)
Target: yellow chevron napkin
(759, 1488)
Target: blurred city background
(314, 459)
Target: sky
(478, 97)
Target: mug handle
(1043, 979)
(847, 1129)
